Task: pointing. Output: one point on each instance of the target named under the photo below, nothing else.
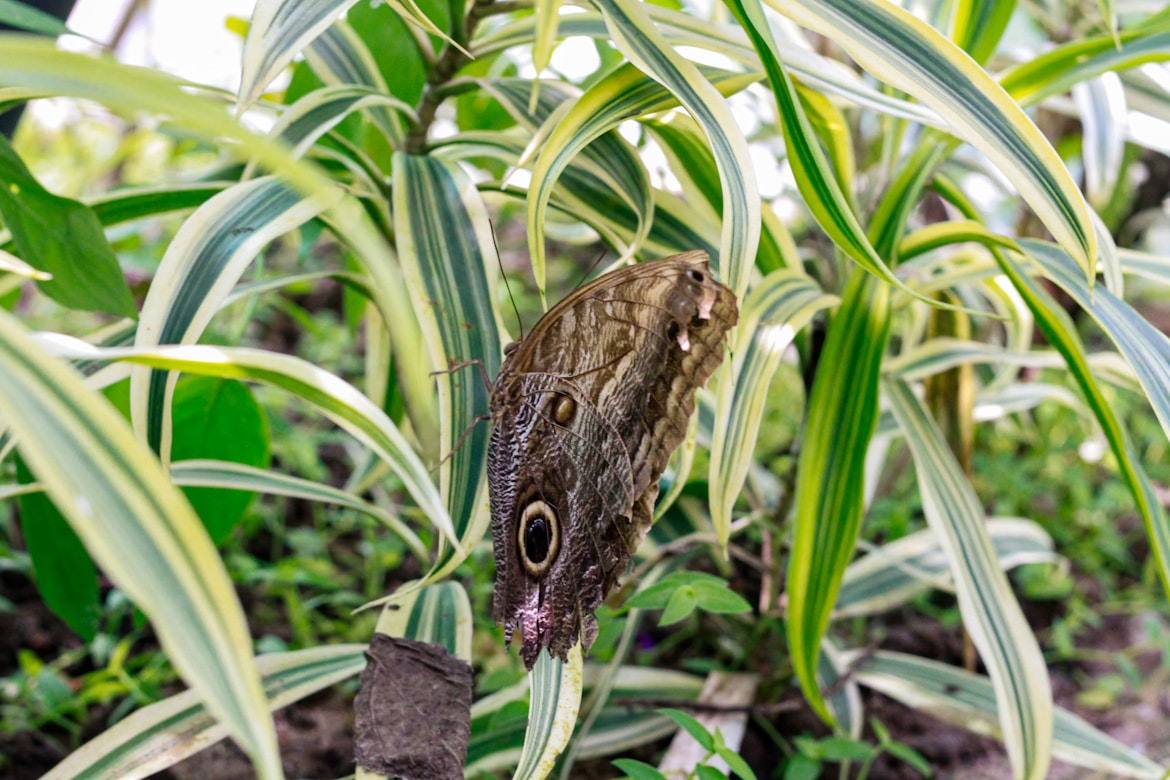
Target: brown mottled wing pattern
(586, 412)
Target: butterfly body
(586, 412)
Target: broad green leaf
(964, 699)
(61, 237)
(830, 483)
(236, 476)
(690, 725)
(556, 696)
(775, 311)
(202, 264)
(163, 734)
(637, 770)
(280, 30)
(141, 531)
(26, 17)
(991, 615)
(219, 418)
(394, 46)
(62, 568)
(906, 53)
(340, 401)
(447, 248)
(894, 573)
(636, 35)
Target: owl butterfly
(586, 412)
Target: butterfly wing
(586, 413)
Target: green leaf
(64, 573)
(977, 25)
(220, 419)
(340, 401)
(843, 749)
(140, 530)
(991, 614)
(906, 53)
(802, 767)
(226, 475)
(636, 770)
(636, 35)
(840, 420)
(556, 698)
(203, 262)
(735, 762)
(163, 734)
(681, 603)
(774, 312)
(704, 772)
(447, 251)
(969, 700)
(278, 32)
(910, 756)
(26, 17)
(61, 237)
(896, 572)
(688, 723)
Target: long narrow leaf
(991, 614)
(830, 486)
(775, 311)
(446, 246)
(140, 529)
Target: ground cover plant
(232, 410)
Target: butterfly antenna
(592, 268)
(507, 286)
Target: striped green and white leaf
(830, 483)
(323, 109)
(965, 699)
(978, 25)
(1101, 105)
(207, 257)
(134, 203)
(776, 310)
(682, 29)
(447, 251)
(1056, 71)
(340, 57)
(142, 532)
(818, 183)
(893, 574)
(497, 736)
(636, 36)
(557, 112)
(338, 400)
(163, 734)
(1144, 347)
(11, 264)
(237, 476)
(279, 31)
(991, 615)
(622, 94)
(908, 54)
(1058, 328)
(27, 61)
(438, 613)
(556, 696)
